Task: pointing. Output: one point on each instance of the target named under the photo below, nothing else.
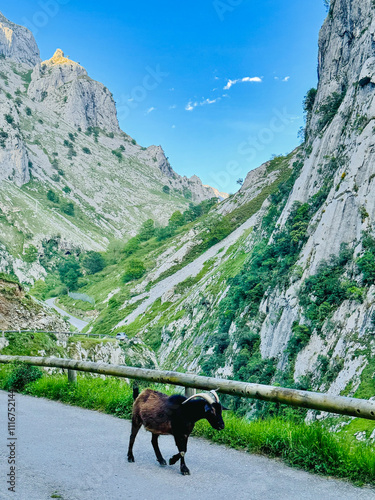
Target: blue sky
(218, 83)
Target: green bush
(309, 101)
(93, 262)
(147, 230)
(328, 110)
(30, 254)
(52, 196)
(3, 137)
(68, 208)
(69, 271)
(22, 375)
(9, 119)
(299, 340)
(117, 153)
(135, 269)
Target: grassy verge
(309, 447)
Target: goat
(161, 414)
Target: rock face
(334, 172)
(19, 312)
(65, 87)
(192, 185)
(17, 43)
(59, 132)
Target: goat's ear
(208, 408)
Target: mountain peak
(59, 58)
(17, 43)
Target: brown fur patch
(150, 409)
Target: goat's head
(212, 409)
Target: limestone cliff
(60, 138)
(292, 301)
(17, 43)
(65, 88)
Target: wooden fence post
(72, 376)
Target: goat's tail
(135, 392)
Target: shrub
(131, 247)
(135, 269)
(3, 137)
(68, 208)
(28, 111)
(93, 262)
(299, 340)
(309, 100)
(21, 376)
(69, 271)
(67, 189)
(177, 219)
(329, 109)
(147, 230)
(166, 189)
(31, 254)
(86, 151)
(52, 196)
(366, 264)
(9, 119)
(117, 153)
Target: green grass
(309, 447)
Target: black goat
(176, 415)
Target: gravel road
(78, 323)
(75, 454)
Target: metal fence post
(72, 376)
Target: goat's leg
(181, 443)
(158, 454)
(135, 428)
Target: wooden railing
(305, 399)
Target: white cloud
(174, 106)
(286, 79)
(255, 79)
(191, 105)
(150, 110)
(173, 126)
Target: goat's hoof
(162, 462)
(185, 471)
(131, 459)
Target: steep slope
(292, 300)
(19, 312)
(65, 165)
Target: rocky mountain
(276, 283)
(66, 168)
(289, 296)
(18, 311)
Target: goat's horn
(207, 397)
(215, 396)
